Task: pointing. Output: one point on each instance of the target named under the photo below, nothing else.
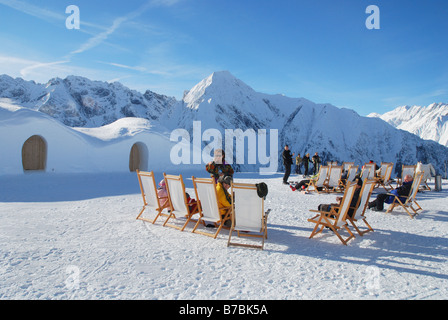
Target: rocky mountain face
(429, 123)
(80, 102)
(223, 103)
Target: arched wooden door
(138, 157)
(34, 154)
(134, 158)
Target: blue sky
(320, 50)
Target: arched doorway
(138, 157)
(34, 154)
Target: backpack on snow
(262, 189)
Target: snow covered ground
(74, 236)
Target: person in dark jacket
(403, 190)
(316, 163)
(306, 162)
(287, 162)
(353, 203)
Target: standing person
(306, 162)
(298, 163)
(287, 162)
(316, 163)
(218, 167)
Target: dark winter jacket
(287, 157)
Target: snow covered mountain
(222, 103)
(430, 123)
(79, 102)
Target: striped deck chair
(408, 204)
(178, 202)
(363, 201)
(333, 183)
(335, 219)
(151, 201)
(248, 216)
(208, 206)
(321, 179)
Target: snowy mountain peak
(217, 86)
(428, 123)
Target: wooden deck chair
(322, 178)
(208, 205)
(429, 171)
(352, 171)
(367, 171)
(335, 219)
(384, 178)
(333, 183)
(363, 201)
(178, 202)
(408, 204)
(151, 201)
(347, 165)
(248, 216)
(406, 169)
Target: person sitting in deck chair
(219, 167)
(327, 207)
(162, 193)
(301, 185)
(403, 190)
(224, 199)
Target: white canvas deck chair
(384, 178)
(208, 206)
(320, 182)
(429, 171)
(336, 218)
(410, 202)
(352, 171)
(333, 183)
(406, 169)
(248, 216)
(363, 200)
(368, 171)
(178, 202)
(347, 165)
(151, 201)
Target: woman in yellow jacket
(224, 200)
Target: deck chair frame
(360, 209)
(208, 206)
(352, 171)
(335, 219)
(384, 179)
(347, 165)
(368, 171)
(151, 200)
(428, 170)
(243, 205)
(320, 182)
(408, 204)
(333, 182)
(178, 201)
(406, 169)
